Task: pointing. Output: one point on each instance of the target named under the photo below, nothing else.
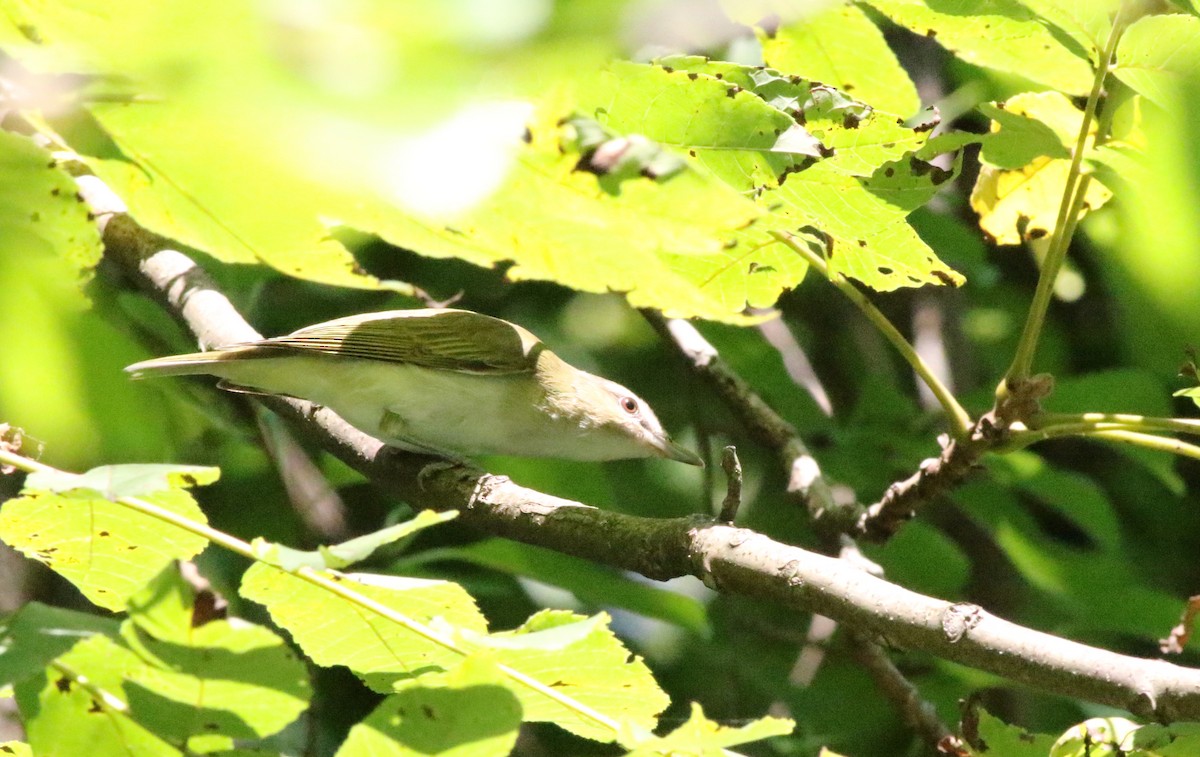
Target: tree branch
(729, 559)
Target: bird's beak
(672, 451)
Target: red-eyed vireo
(444, 382)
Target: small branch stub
(733, 492)
(1178, 638)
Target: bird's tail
(187, 365)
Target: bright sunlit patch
(501, 22)
(457, 164)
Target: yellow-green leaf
(701, 737)
(596, 669)
(999, 34)
(840, 46)
(41, 213)
(1016, 202)
(334, 631)
(106, 549)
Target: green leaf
(41, 212)
(853, 137)
(108, 550)
(62, 716)
(1087, 22)
(15, 749)
(596, 585)
(841, 47)
(701, 737)
(133, 480)
(232, 680)
(359, 549)
(736, 135)
(1018, 138)
(229, 679)
(469, 714)
(164, 607)
(36, 634)
(1001, 738)
(865, 220)
(556, 221)
(334, 631)
(999, 34)
(1157, 53)
(596, 669)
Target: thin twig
(918, 713)
(733, 477)
(764, 425)
(960, 419)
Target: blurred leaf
(1023, 203)
(924, 559)
(702, 737)
(842, 47)
(591, 583)
(41, 212)
(106, 549)
(1076, 498)
(546, 214)
(36, 634)
(999, 34)
(333, 631)
(469, 714)
(1157, 53)
(185, 194)
(16, 749)
(597, 670)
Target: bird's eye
(629, 405)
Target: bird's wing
(447, 339)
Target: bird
(441, 381)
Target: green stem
(1023, 438)
(316, 578)
(1064, 227)
(960, 419)
(1119, 421)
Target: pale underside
(427, 410)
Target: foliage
(328, 158)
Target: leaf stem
(320, 579)
(960, 419)
(1107, 431)
(1118, 421)
(1064, 227)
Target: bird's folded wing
(449, 340)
